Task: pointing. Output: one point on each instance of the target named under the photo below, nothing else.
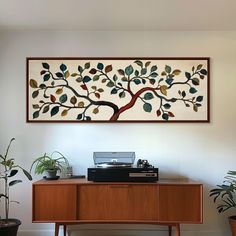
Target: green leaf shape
(80, 69)
(35, 114)
(199, 99)
(115, 78)
(192, 90)
(168, 69)
(74, 74)
(46, 77)
(153, 68)
(63, 98)
(59, 75)
(46, 109)
(27, 174)
(167, 106)
(45, 65)
(203, 71)
(87, 65)
(183, 94)
(114, 91)
(15, 182)
(195, 108)
(33, 83)
(188, 75)
(42, 86)
(63, 67)
(144, 81)
(195, 81)
(35, 94)
(88, 118)
(165, 116)
(110, 84)
(199, 67)
(137, 81)
(136, 73)
(139, 63)
(129, 70)
(154, 74)
(125, 79)
(100, 66)
(147, 107)
(54, 110)
(35, 106)
(12, 173)
(147, 64)
(148, 96)
(143, 71)
(86, 79)
(95, 77)
(122, 94)
(80, 117)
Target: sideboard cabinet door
(118, 202)
(180, 203)
(54, 202)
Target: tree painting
(118, 89)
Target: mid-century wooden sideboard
(78, 201)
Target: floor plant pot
(232, 222)
(10, 227)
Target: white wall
(204, 152)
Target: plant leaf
(54, 110)
(14, 182)
(148, 96)
(33, 83)
(45, 65)
(108, 68)
(163, 89)
(63, 67)
(63, 98)
(129, 70)
(147, 107)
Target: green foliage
(225, 194)
(49, 162)
(9, 169)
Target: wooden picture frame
(118, 89)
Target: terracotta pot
(232, 222)
(10, 227)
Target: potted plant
(8, 171)
(225, 196)
(50, 164)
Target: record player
(120, 167)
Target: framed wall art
(118, 89)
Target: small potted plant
(225, 196)
(50, 165)
(8, 173)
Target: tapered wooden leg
(170, 230)
(64, 230)
(177, 226)
(57, 226)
